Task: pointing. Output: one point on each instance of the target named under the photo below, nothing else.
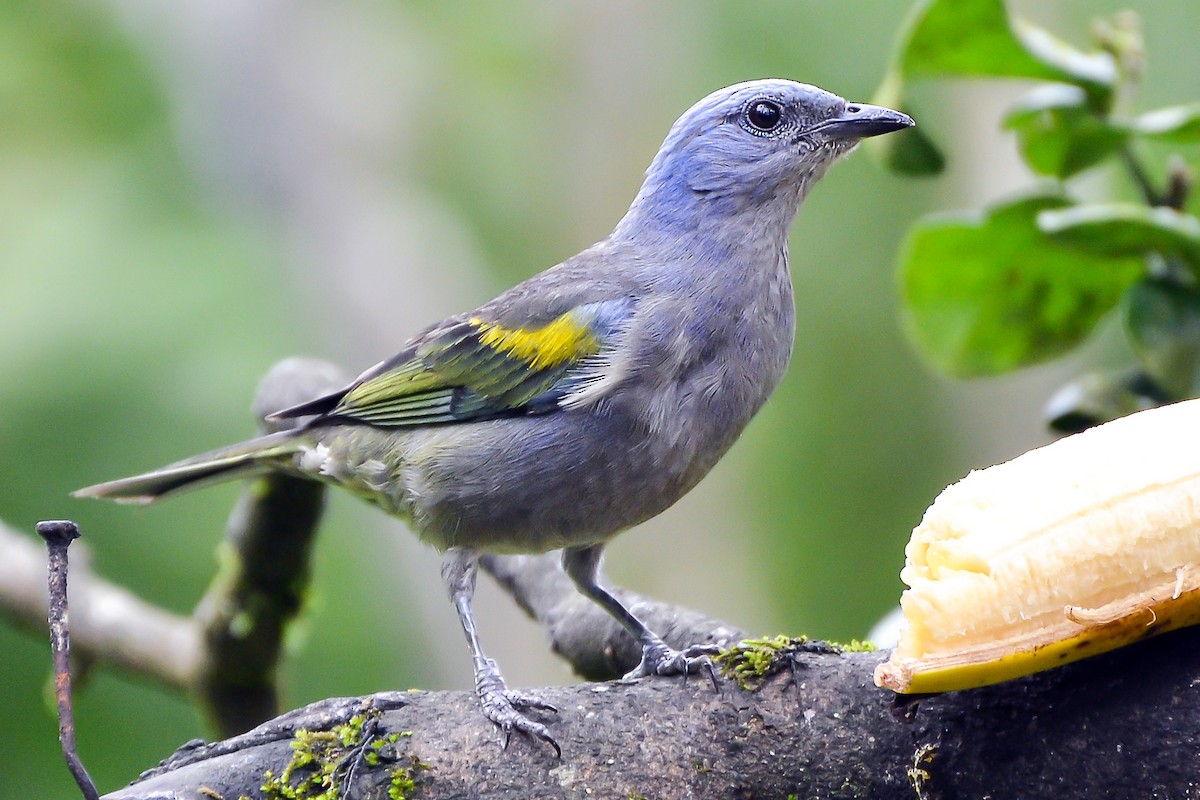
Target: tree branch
(265, 568)
(1125, 724)
(586, 637)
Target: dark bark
(1122, 725)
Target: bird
(595, 394)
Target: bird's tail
(226, 463)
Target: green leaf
(1163, 320)
(1095, 72)
(988, 293)
(1058, 132)
(977, 38)
(1125, 229)
(1179, 124)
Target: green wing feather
(476, 369)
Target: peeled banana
(1072, 549)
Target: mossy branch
(1120, 725)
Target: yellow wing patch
(562, 341)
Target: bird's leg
(582, 564)
(501, 705)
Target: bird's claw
(529, 702)
(658, 659)
(504, 708)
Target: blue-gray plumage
(594, 395)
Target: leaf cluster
(1029, 279)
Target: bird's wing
(480, 368)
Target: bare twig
(58, 536)
(109, 624)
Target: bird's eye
(764, 115)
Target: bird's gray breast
(711, 365)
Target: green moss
(751, 661)
(324, 762)
(402, 783)
(855, 646)
(404, 778)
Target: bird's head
(754, 143)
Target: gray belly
(525, 484)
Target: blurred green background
(192, 191)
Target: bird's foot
(658, 659)
(506, 708)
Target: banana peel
(1070, 550)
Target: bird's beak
(860, 120)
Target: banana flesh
(1082, 546)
